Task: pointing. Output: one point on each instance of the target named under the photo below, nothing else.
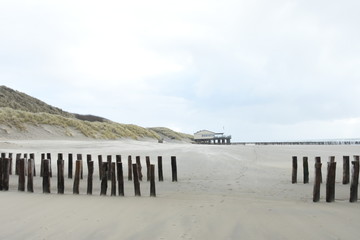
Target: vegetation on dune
(168, 133)
(99, 130)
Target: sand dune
(224, 192)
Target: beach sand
(223, 192)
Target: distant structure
(208, 137)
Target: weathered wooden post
(77, 177)
(120, 178)
(109, 160)
(6, 172)
(48, 156)
(79, 157)
(318, 160)
(129, 168)
(1, 173)
(18, 156)
(306, 169)
(160, 169)
(354, 179)
(11, 163)
(90, 177)
(294, 169)
(346, 169)
(147, 168)
(317, 181)
(136, 180)
(30, 182)
(21, 186)
(104, 184)
(139, 168)
(330, 180)
(174, 168)
(70, 165)
(113, 179)
(32, 156)
(118, 158)
(46, 176)
(42, 164)
(100, 166)
(60, 174)
(152, 181)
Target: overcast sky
(259, 70)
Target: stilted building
(208, 137)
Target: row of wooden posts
(330, 178)
(107, 171)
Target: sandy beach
(223, 192)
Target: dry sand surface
(223, 192)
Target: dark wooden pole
(70, 166)
(318, 160)
(354, 179)
(294, 169)
(18, 156)
(113, 179)
(48, 156)
(32, 156)
(90, 177)
(317, 182)
(79, 157)
(174, 168)
(21, 174)
(330, 180)
(147, 168)
(129, 168)
(306, 169)
(2, 173)
(6, 173)
(160, 169)
(42, 165)
(120, 178)
(109, 160)
(152, 181)
(30, 182)
(100, 166)
(60, 175)
(77, 177)
(136, 180)
(104, 181)
(346, 170)
(11, 163)
(138, 163)
(118, 158)
(46, 176)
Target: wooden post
(174, 168)
(129, 168)
(100, 166)
(77, 177)
(346, 170)
(70, 166)
(6, 173)
(42, 165)
(60, 175)
(48, 156)
(138, 163)
(118, 158)
(30, 182)
(113, 179)
(330, 180)
(109, 160)
(318, 160)
(2, 173)
(136, 180)
(104, 183)
(317, 182)
(147, 168)
(160, 169)
(11, 163)
(294, 169)
(79, 157)
(354, 180)
(32, 156)
(120, 178)
(46, 176)
(21, 186)
(152, 181)
(18, 156)
(90, 177)
(306, 169)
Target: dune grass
(168, 133)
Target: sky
(257, 70)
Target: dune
(223, 192)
